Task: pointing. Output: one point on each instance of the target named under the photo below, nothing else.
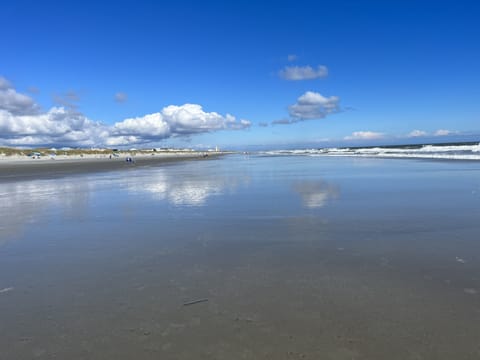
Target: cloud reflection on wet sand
(28, 202)
(315, 193)
(190, 189)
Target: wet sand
(298, 259)
(13, 170)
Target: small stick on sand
(194, 302)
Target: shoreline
(20, 168)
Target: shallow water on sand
(298, 257)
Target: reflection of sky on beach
(240, 187)
(113, 195)
(315, 194)
(260, 237)
(30, 202)
(183, 188)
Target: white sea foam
(448, 152)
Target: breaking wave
(469, 151)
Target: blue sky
(289, 73)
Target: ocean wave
(427, 151)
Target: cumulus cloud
(21, 123)
(296, 73)
(56, 126)
(417, 133)
(120, 97)
(175, 120)
(14, 102)
(241, 125)
(149, 125)
(365, 135)
(312, 105)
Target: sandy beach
(17, 167)
(243, 257)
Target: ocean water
(462, 151)
(292, 257)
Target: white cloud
(175, 120)
(303, 72)
(122, 140)
(58, 125)
(242, 124)
(365, 135)
(21, 123)
(149, 125)
(312, 105)
(417, 133)
(190, 119)
(443, 132)
(14, 102)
